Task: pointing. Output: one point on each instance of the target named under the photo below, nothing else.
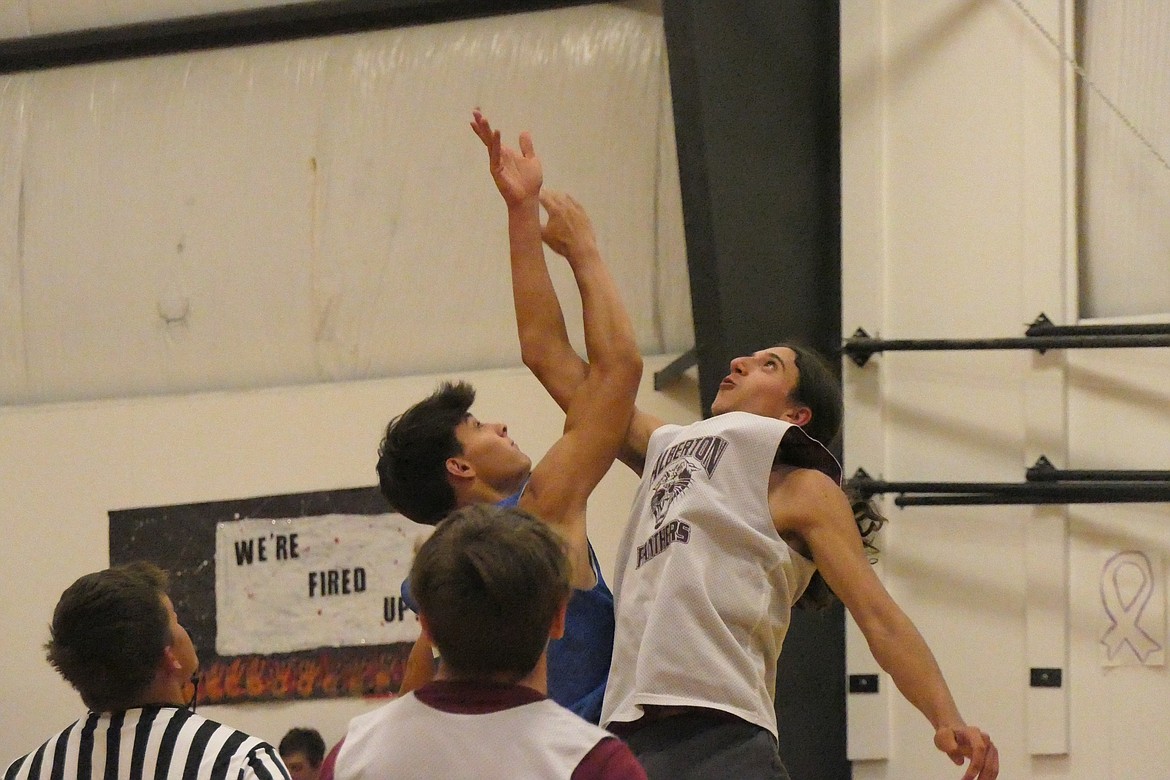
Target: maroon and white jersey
(407, 738)
(705, 584)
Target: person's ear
(798, 415)
(460, 468)
(170, 663)
(557, 629)
(425, 625)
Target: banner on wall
(297, 583)
(291, 596)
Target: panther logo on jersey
(670, 484)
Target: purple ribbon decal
(1125, 608)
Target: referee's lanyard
(195, 693)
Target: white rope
(1080, 71)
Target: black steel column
(757, 118)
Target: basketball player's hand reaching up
(568, 231)
(518, 175)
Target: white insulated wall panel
(320, 210)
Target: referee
(116, 639)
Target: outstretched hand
(568, 231)
(969, 742)
(518, 175)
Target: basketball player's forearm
(540, 323)
(909, 661)
(609, 335)
(918, 677)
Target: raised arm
(811, 505)
(609, 335)
(569, 233)
(610, 343)
(598, 398)
(544, 341)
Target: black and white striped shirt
(159, 742)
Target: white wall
(271, 215)
(959, 221)
(64, 466)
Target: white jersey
(705, 584)
(409, 739)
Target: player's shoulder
(803, 496)
(804, 482)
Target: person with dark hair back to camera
(492, 585)
(302, 750)
(116, 639)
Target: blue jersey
(578, 662)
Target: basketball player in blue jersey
(734, 516)
(437, 457)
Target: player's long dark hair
(819, 389)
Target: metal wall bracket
(669, 374)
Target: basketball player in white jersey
(734, 516)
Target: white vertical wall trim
(863, 304)
(13, 134)
(1125, 185)
(1047, 113)
(1046, 629)
(1071, 167)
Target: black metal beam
(243, 28)
(757, 122)
(668, 374)
(1098, 475)
(1075, 491)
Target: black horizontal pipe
(1056, 497)
(1042, 327)
(860, 348)
(955, 493)
(873, 486)
(1040, 474)
(243, 28)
